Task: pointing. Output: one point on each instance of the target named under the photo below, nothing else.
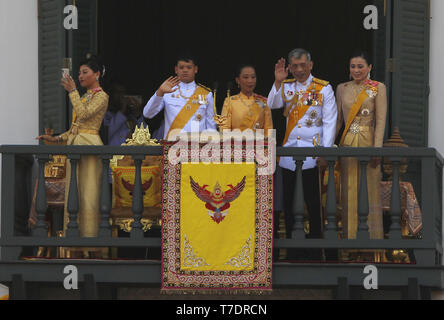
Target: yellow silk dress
(244, 112)
(89, 112)
(367, 130)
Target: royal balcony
(419, 276)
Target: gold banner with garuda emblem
(217, 228)
(217, 217)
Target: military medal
(365, 112)
(198, 117)
(371, 93)
(188, 107)
(313, 114)
(202, 99)
(319, 122)
(309, 123)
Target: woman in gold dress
(88, 113)
(247, 110)
(362, 106)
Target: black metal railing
(427, 249)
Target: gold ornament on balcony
(395, 141)
(140, 137)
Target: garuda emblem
(217, 202)
(130, 187)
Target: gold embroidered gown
(89, 112)
(367, 130)
(244, 112)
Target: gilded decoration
(190, 258)
(242, 260)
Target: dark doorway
(139, 40)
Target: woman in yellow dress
(88, 113)
(362, 106)
(247, 110)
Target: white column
(436, 105)
(19, 85)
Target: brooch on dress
(371, 88)
(365, 112)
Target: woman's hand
(48, 138)
(68, 83)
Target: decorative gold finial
(141, 137)
(395, 141)
(219, 119)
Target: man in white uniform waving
(311, 112)
(188, 106)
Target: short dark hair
(95, 64)
(186, 58)
(242, 67)
(361, 54)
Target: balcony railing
(426, 271)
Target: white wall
(436, 118)
(18, 72)
(436, 105)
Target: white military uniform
(318, 122)
(173, 104)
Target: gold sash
(188, 110)
(298, 111)
(250, 119)
(353, 112)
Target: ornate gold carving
(190, 258)
(56, 168)
(395, 141)
(125, 224)
(140, 137)
(242, 260)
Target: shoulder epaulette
(321, 82)
(259, 97)
(206, 88)
(289, 81)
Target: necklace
(180, 93)
(248, 106)
(243, 102)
